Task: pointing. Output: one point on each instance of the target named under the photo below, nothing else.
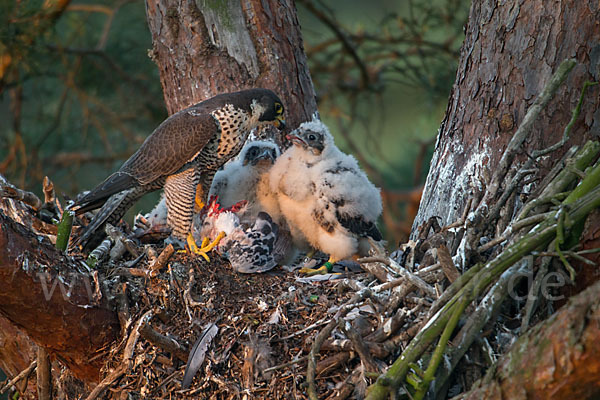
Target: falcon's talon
(206, 246)
(205, 242)
(193, 248)
(213, 244)
(322, 270)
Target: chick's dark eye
(312, 137)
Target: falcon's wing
(347, 197)
(175, 142)
(358, 226)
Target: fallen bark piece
(557, 359)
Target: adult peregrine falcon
(184, 151)
(326, 199)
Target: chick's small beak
(264, 157)
(295, 139)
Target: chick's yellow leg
(324, 269)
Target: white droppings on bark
(450, 182)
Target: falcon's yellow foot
(324, 269)
(205, 247)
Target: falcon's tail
(115, 183)
(112, 211)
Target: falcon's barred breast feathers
(184, 151)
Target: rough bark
(558, 359)
(45, 296)
(17, 349)
(206, 47)
(510, 51)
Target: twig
(127, 358)
(560, 239)
(324, 334)
(580, 160)
(164, 342)
(482, 216)
(487, 308)
(50, 196)
(317, 324)
(21, 375)
(513, 228)
(121, 242)
(187, 295)
(360, 347)
(525, 128)
(107, 381)
(123, 307)
(445, 260)
(342, 37)
(44, 374)
(412, 278)
(542, 236)
(569, 126)
(64, 230)
(99, 253)
(453, 289)
(436, 357)
(24, 196)
(532, 296)
(284, 365)
(160, 261)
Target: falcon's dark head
(312, 136)
(267, 107)
(259, 152)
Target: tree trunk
(558, 359)
(510, 51)
(206, 47)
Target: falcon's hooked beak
(279, 122)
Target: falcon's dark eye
(278, 109)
